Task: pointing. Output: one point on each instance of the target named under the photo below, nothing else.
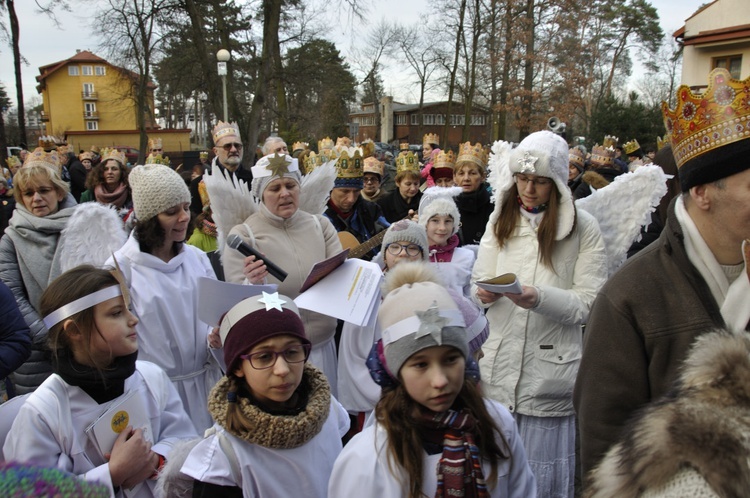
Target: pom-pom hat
(156, 188)
(256, 319)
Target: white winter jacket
(531, 357)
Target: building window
(92, 125)
(428, 119)
(731, 63)
(415, 119)
(400, 119)
(367, 121)
(477, 120)
(458, 119)
(90, 108)
(87, 70)
(88, 89)
(100, 70)
(72, 70)
(439, 119)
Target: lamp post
(223, 56)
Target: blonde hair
(30, 176)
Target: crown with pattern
(610, 141)
(661, 142)
(602, 155)
(13, 161)
(325, 143)
(47, 142)
(403, 146)
(158, 159)
(368, 148)
(85, 155)
(445, 160)
(472, 153)
(312, 161)
(372, 165)
(40, 156)
(223, 129)
(631, 147)
(300, 146)
(349, 169)
(577, 157)
(407, 161)
(63, 149)
(343, 142)
(154, 143)
(115, 154)
(431, 138)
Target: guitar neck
(367, 246)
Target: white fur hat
(542, 153)
(439, 200)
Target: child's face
(392, 259)
(469, 178)
(434, 376)
(273, 386)
(115, 333)
(439, 229)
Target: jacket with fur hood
(693, 441)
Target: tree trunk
(15, 37)
(451, 88)
(473, 73)
(528, 78)
(212, 89)
(502, 117)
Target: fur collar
(594, 179)
(702, 424)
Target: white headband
(262, 169)
(81, 304)
(413, 324)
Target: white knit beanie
(439, 200)
(156, 188)
(407, 231)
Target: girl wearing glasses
(532, 355)
(278, 427)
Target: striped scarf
(459, 471)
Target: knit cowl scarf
(275, 431)
(116, 198)
(444, 254)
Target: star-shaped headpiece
(278, 166)
(527, 163)
(431, 323)
(272, 301)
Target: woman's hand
(526, 299)
(214, 339)
(131, 460)
(487, 297)
(254, 271)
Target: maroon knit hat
(256, 319)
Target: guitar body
(357, 249)
(348, 241)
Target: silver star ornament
(527, 163)
(431, 323)
(272, 301)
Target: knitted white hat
(156, 188)
(407, 231)
(418, 315)
(439, 200)
(269, 168)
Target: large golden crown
(115, 154)
(431, 138)
(472, 153)
(602, 156)
(326, 143)
(154, 143)
(13, 161)
(372, 165)
(407, 161)
(300, 146)
(312, 161)
(661, 142)
(158, 159)
(349, 166)
(48, 142)
(39, 156)
(368, 148)
(223, 129)
(701, 123)
(343, 142)
(445, 160)
(610, 141)
(630, 147)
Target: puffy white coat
(531, 357)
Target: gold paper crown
(577, 157)
(115, 154)
(94, 149)
(154, 143)
(203, 154)
(610, 141)
(85, 155)
(158, 159)
(403, 146)
(602, 156)
(312, 161)
(13, 161)
(472, 153)
(326, 143)
(300, 146)
(343, 142)
(349, 167)
(661, 142)
(431, 138)
(372, 165)
(630, 147)
(47, 142)
(223, 129)
(368, 148)
(702, 123)
(39, 156)
(407, 161)
(63, 149)
(445, 160)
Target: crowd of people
(570, 380)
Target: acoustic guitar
(357, 249)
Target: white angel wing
(623, 207)
(92, 234)
(231, 202)
(316, 188)
(499, 170)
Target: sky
(44, 43)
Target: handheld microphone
(235, 242)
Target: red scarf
(117, 198)
(444, 254)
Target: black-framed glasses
(228, 147)
(537, 182)
(371, 179)
(266, 359)
(394, 249)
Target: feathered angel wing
(92, 234)
(231, 201)
(316, 188)
(623, 207)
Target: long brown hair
(396, 411)
(96, 175)
(508, 218)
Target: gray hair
(267, 145)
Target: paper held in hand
(503, 284)
(127, 410)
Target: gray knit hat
(416, 316)
(407, 231)
(156, 188)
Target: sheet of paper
(215, 297)
(323, 268)
(348, 293)
(502, 284)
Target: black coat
(395, 208)
(475, 209)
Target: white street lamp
(223, 56)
